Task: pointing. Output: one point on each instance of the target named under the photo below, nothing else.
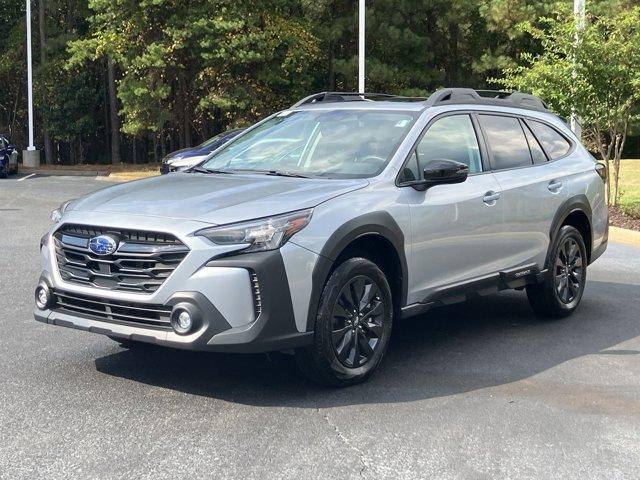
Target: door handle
(554, 186)
(491, 197)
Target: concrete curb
(109, 178)
(64, 173)
(623, 235)
(116, 177)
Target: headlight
(56, 215)
(262, 234)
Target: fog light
(42, 298)
(182, 321)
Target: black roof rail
(351, 97)
(485, 97)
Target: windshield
(335, 144)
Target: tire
(560, 292)
(348, 348)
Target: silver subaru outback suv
(316, 229)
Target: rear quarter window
(537, 154)
(552, 141)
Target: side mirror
(442, 172)
(10, 147)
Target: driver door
(456, 229)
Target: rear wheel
(352, 328)
(561, 291)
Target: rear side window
(450, 138)
(537, 154)
(554, 144)
(508, 145)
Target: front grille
(114, 311)
(141, 263)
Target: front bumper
(225, 289)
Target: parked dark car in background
(189, 157)
(8, 157)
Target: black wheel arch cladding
(577, 203)
(376, 224)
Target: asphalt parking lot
(474, 391)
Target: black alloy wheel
(568, 271)
(560, 290)
(352, 326)
(357, 321)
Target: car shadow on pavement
(482, 343)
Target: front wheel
(352, 328)
(561, 291)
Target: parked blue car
(189, 157)
(8, 157)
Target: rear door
(456, 229)
(532, 187)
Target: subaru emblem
(103, 245)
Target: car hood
(215, 198)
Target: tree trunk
(620, 140)
(46, 137)
(331, 79)
(155, 147)
(451, 73)
(72, 151)
(598, 139)
(107, 139)
(113, 114)
(186, 114)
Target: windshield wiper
(278, 173)
(209, 170)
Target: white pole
(29, 77)
(579, 15)
(361, 37)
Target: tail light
(601, 169)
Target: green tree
(415, 46)
(188, 64)
(13, 73)
(597, 76)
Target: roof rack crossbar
(487, 97)
(348, 96)
(439, 97)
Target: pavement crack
(361, 455)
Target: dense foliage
(132, 79)
(595, 75)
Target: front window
(334, 144)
